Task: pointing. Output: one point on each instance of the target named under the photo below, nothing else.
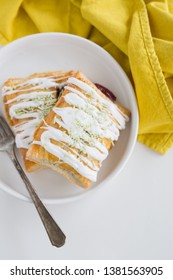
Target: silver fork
(7, 144)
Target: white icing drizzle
(107, 104)
(35, 83)
(35, 97)
(39, 94)
(62, 154)
(89, 118)
(76, 121)
(98, 116)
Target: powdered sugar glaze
(87, 120)
(35, 98)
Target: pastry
(27, 101)
(77, 134)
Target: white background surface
(129, 218)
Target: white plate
(54, 51)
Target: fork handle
(55, 234)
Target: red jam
(106, 92)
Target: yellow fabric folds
(137, 33)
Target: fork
(7, 144)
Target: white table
(129, 218)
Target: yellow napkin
(137, 33)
